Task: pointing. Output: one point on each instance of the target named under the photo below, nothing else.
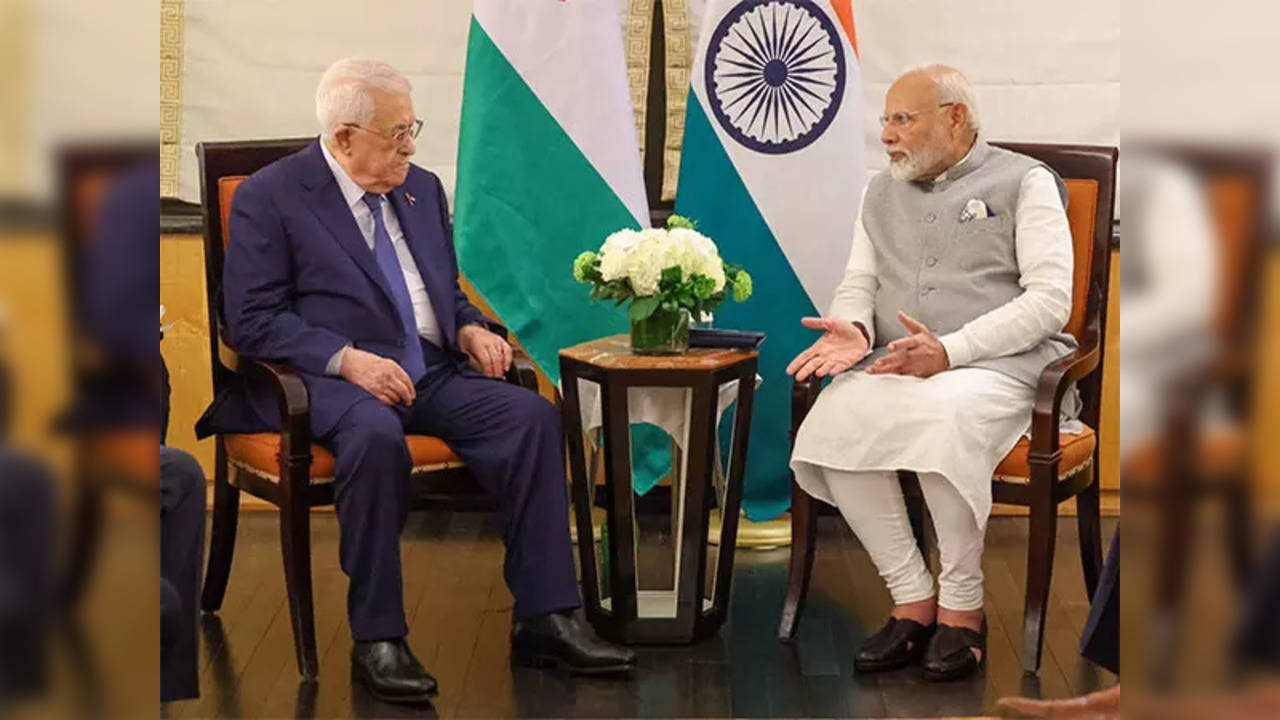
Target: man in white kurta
(959, 278)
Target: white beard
(911, 167)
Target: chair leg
(804, 537)
(1040, 545)
(222, 543)
(1089, 523)
(295, 544)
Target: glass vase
(665, 332)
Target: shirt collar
(946, 173)
(351, 192)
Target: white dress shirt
(424, 314)
(1043, 247)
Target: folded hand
(920, 354)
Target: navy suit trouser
(511, 441)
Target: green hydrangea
(680, 221)
(741, 286)
(583, 264)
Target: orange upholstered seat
(1077, 453)
(257, 453)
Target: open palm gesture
(841, 346)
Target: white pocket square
(975, 208)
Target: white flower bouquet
(668, 275)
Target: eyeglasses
(904, 118)
(399, 137)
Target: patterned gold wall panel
(678, 53)
(637, 39)
(170, 94)
(679, 58)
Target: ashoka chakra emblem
(775, 74)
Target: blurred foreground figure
(1196, 225)
(26, 538)
(1101, 705)
(122, 399)
(1194, 248)
(128, 402)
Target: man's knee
(370, 430)
(373, 423)
(531, 409)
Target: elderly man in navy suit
(341, 263)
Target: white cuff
(334, 366)
(959, 351)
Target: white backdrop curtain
(1044, 71)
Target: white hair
(343, 93)
(952, 87)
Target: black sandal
(898, 644)
(950, 654)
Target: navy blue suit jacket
(299, 283)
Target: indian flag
(548, 165)
(772, 170)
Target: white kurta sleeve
(854, 300)
(1045, 260)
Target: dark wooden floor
(460, 612)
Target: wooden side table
(684, 613)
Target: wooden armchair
(1051, 467)
(286, 468)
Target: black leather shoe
(565, 640)
(950, 656)
(899, 643)
(391, 672)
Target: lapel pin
(410, 198)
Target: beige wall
(186, 344)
